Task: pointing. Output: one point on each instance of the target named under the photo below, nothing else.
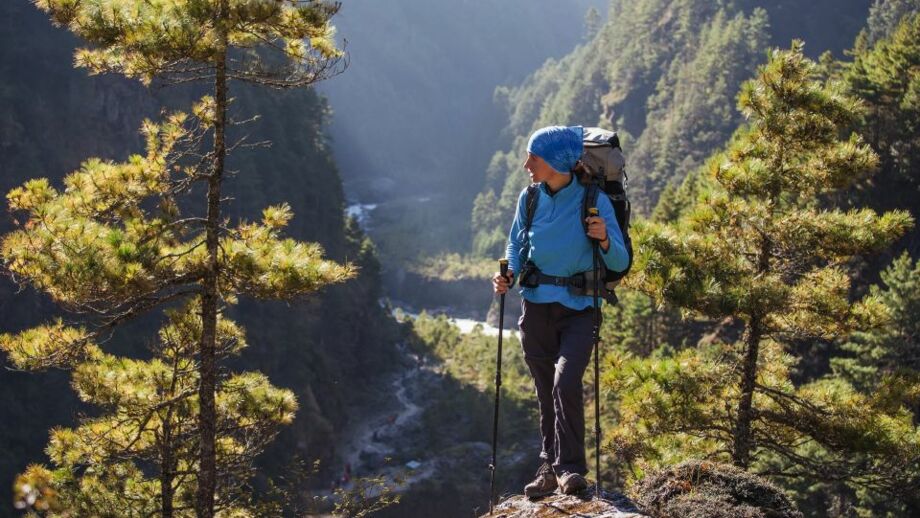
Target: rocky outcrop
(692, 489)
(609, 505)
(701, 489)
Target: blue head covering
(560, 146)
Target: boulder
(702, 489)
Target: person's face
(538, 169)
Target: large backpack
(602, 169)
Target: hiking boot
(572, 483)
(543, 485)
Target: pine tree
(887, 77)
(151, 419)
(278, 44)
(884, 17)
(758, 247)
(114, 245)
(886, 361)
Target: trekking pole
(597, 340)
(503, 268)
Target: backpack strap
(530, 208)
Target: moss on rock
(701, 489)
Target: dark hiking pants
(557, 343)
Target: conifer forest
(247, 251)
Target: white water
(467, 325)
(361, 212)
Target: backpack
(602, 168)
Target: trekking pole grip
(592, 211)
(503, 267)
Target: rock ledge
(610, 505)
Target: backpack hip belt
(580, 283)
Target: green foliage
(895, 347)
(97, 246)
(756, 246)
(367, 495)
(875, 359)
(886, 76)
(678, 198)
(471, 357)
(690, 113)
(488, 227)
(639, 325)
(671, 407)
(114, 244)
(455, 267)
(49, 345)
(468, 361)
(307, 345)
(150, 418)
(70, 246)
(168, 38)
(884, 18)
(753, 244)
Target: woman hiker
(557, 324)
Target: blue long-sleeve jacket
(558, 243)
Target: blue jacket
(558, 244)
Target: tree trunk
(167, 470)
(751, 339)
(753, 332)
(207, 419)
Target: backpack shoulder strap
(531, 206)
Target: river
(383, 441)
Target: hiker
(556, 325)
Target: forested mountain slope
(882, 75)
(53, 116)
(664, 73)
